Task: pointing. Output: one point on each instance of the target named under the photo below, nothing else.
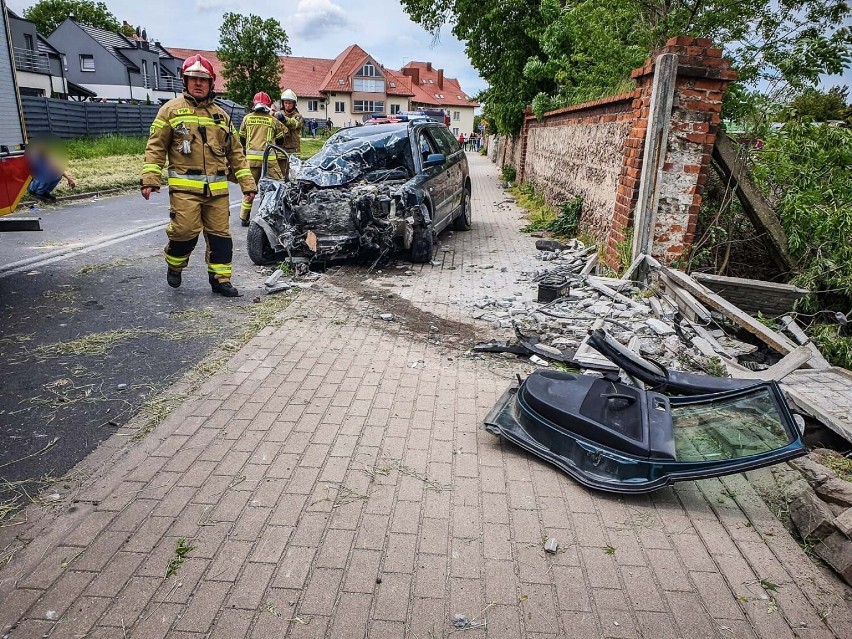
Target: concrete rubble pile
(629, 311)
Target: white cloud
(317, 18)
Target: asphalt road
(90, 330)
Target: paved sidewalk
(334, 481)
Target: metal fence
(68, 119)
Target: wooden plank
(602, 288)
(588, 356)
(686, 302)
(732, 169)
(739, 317)
(817, 360)
(792, 361)
(590, 264)
(634, 269)
(654, 153)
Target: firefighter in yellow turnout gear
(195, 139)
(291, 118)
(257, 131)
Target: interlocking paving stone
(320, 477)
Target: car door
(457, 171)
(436, 176)
(452, 172)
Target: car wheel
(463, 221)
(422, 244)
(259, 250)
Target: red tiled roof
(304, 75)
(432, 91)
(342, 69)
(403, 83)
(314, 77)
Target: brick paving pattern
(334, 481)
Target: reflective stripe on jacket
(258, 131)
(195, 139)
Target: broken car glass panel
(619, 438)
(728, 428)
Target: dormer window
(369, 71)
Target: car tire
(259, 250)
(422, 244)
(463, 222)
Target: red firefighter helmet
(197, 66)
(261, 101)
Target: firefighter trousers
(277, 170)
(191, 214)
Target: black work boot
(173, 277)
(225, 289)
(245, 222)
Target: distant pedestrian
(47, 171)
(461, 140)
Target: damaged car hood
(374, 154)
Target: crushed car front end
(358, 197)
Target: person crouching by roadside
(47, 168)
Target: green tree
(49, 14)
(249, 48)
(821, 105)
(565, 51)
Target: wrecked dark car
(369, 192)
(622, 438)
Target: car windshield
(373, 153)
(728, 428)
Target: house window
(455, 131)
(340, 107)
(368, 106)
(369, 71)
(87, 63)
(456, 115)
(394, 109)
(368, 86)
(28, 40)
(156, 76)
(145, 74)
(313, 105)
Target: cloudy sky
(316, 28)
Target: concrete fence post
(656, 144)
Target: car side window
(446, 143)
(426, 144)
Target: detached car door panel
(618, 438)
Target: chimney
(440, 78)
(428, 66)
(413, 73)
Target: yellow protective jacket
(257, 132)
(293, 121)
(196, 139)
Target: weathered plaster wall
(578, 159)
(595, 150)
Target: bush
(567, 218)
(508, 173)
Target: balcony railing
(33, 61)
(167, 83)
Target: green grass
(115, 161)
(310, 146)
(105, 146)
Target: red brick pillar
(703, 77)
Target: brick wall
(595, 150)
